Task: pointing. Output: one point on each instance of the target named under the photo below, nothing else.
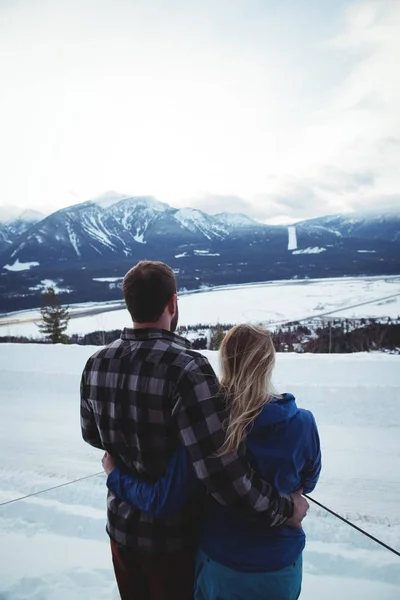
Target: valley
(86, 249)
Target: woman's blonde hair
(247, 357)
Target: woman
(238, 558)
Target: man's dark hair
(148, 287)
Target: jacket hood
(277, 411)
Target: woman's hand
(108, 463)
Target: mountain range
(14, 223)
(86, 248)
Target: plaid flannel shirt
(143, 395)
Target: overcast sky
(279, 108)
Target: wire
(49, 489)
(332, 512)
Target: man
(143, 395)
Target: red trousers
(140, 577)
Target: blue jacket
(283, 445)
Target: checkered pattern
(143, 395)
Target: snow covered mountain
(371, 225)
(14, 223)
(116, 225)
(237, 220)
(87, 247)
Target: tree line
(316, 335)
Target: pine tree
(55, 318)
(217, 335)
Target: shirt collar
(153, 333)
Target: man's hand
(108, 463)
(301, 507)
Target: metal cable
(55, 487)
(332, 512)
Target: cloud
(361, 121)
(281, 114)
(343, 155)
(347, 156)
(216, 203)
(383, 203)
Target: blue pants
(217, 582)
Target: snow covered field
(54, 545)
(272, 302)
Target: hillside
(85, 247)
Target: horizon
(279, 111)
(9, 213)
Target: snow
(109, 199)
(191, 219)
(96, 229)
(108, 279)
(181, 255)
(196, 221)
(273, 302)
(205, 253)
(73, 238)
(366, 251)
(139, 237)
(59, 536)
(237, 220)
(316, 250)
(21, 266)
(292, 238)
(125, 218)
(193, 335)
(46, 283)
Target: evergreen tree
(55, 318)
(217, 335)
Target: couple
(188, 458)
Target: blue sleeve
(165, 497)
(312, 469)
